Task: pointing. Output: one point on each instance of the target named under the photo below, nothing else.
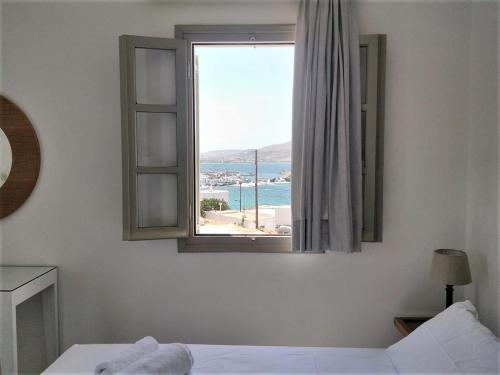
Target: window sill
(216, 244)
(237, 244)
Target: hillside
(272, 153)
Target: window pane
(363, 59)
(156, 139)
(155, 76)
(157, 200)
(243, 104)
(363, 138)
(363, 159)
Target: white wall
(61, 66)
(498, 155)
(1, 91)
(482, 163)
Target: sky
(245, 96)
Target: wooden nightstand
(407, 325)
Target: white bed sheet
(224, 359)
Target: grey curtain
(326, 147)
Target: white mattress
(217, 359)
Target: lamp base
(449, 295)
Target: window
(240, 116)
(207, 133)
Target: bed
(216, 359)
(454, 341)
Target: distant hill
(273, 153)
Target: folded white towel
(133, 353)
(171, 359)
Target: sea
(269, 193)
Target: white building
(216, 194)
(270, 217)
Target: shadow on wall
(482, 281)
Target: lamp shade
(450, 267)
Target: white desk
(29, 339)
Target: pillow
(452, 342)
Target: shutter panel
(372, 65)
(154, 137)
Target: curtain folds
(326, 147)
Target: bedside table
(407, 325)
(28, 318)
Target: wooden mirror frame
(25, 157)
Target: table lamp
(450, 267)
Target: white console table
(29, 340)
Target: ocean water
(269, 193)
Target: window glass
(155, 76)
(156, 139)
(157, 200)
(363, 65)
(243, 120)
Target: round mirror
(19, 157)
(5, 157)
